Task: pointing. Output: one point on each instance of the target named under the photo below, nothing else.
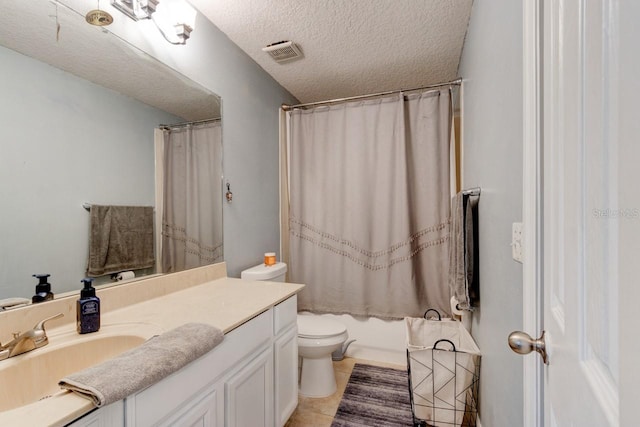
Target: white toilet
(318, 337)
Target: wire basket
(443, 364)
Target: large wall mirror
(78, 111)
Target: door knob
(522, 343)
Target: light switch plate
(516, 241)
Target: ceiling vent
(284, 51)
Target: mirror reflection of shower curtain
(369, 202)
(191, 197)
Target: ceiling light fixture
(183, 32)
(175, 19)
(136, 9)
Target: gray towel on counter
(143, 366)
(120, 238)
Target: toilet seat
(319, 327)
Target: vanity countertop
(225, 303)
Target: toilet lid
(318, 327)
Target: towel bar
(87, 206)
(475, 191)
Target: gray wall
(492, 130)
(251, 99)
(250, 102)
(64, 141)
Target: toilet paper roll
(125, 275)
(454, 307)
(464, 315)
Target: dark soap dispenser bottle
(43, 289)
(88, 309)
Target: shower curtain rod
(455, 82)
(195, 122)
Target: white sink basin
(34, 375)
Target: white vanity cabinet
(250, 379)
(285, 356)
(203, 412)
(249, 393)
(108, 416)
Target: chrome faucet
(30, 340)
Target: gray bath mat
(375, 396)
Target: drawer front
(285, 315)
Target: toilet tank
(273, 273)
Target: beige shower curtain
(191, 197)
(369, 205)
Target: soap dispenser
(88, 309)
(43, 289)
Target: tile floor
(314, 412)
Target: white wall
(491, 66)
(64, 141)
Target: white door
(590, 211)
(579, 238)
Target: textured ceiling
(351, 47)
(29, 27)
